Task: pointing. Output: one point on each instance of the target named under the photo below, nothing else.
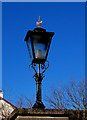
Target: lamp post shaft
(38, 91)
(38, 79)
(38, 69)
(38, 86)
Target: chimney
(1, 93)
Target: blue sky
(67, 50)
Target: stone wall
(40, 118)
(40, 114)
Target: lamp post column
(38, 79)
(38, 86)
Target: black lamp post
(38, 43)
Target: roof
(0, 90)
(8, 103)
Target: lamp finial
(39, 23)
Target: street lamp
(38, 43)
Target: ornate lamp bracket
(43, 67)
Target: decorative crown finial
(39, 23)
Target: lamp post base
(39, 105)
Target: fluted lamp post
(38, 44)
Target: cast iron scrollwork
(32, 66)
(44, 67)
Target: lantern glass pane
(40, 49)
(29, 48)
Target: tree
(29, 102)
(76, 96)
(20, 101)
(24, 102)
(56, 99)
(69, 97)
